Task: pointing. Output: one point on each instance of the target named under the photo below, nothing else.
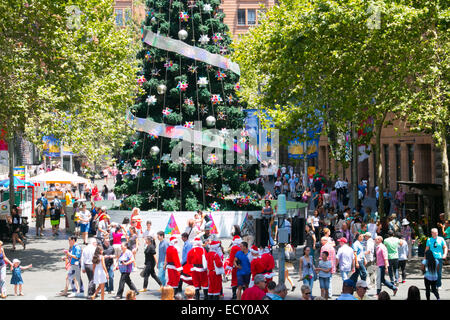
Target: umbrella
(17, 183)
(59, 176)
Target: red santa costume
(256, 266)
(268, 264)
(215, 269)
(196, 257)
(136, 217)
(234, 249)
(173, 264)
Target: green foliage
(171, 205)
(73, 80)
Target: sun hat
(405, 222)
(367, 234)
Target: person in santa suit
(230, 265)
(197, 258)
(136, 219)
(172, 264)
(215, 270)
(256, 267)
(268, 263)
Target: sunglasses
(307, 292)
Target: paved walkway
(47, 277)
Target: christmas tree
(186, 87)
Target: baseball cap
(344, 240)
(361, 283)
(259, 278)
(349, 283)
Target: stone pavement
(47, 276)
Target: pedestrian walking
(403, 251)
(85, 219)
(125, 265)
(162, 248)
(40, 217)
(360, 259)
(392, 243)
(234, 249)
(324, 269)
(109, 254)
(73, 255)
(438, 247)
(197, 258)
(87, 265)
(257, 291)
(369, 252)
(345, 259)
(186, 273)
(3, 262)
(16, 278)
(383, 265)
(215, 271)
(100, 272)
(243, 269)
(430, 267)
(306, 268)
(172, 264)
(150, 263)
(310, 240)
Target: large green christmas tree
(185, 91)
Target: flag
(172, 227)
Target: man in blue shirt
(186, 247)
(243, 268)
(162, 248)
(73, 274)
(439, 248)
(360, 269)
(347, 290)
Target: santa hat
(173, 240)
(214, 244)
(254, 249)
(237, 240)
(197, 242)
(266, 249)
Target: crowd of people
(355, 245)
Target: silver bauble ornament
(182, 34)
(210, 121)
(154, 150)
(161, 89)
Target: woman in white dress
(100, 272)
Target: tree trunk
(379, 166)
(12, 193)
(354, 167)
(445, 176)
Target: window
(241, 17)
(398, 161)
(119, 17)
(251, 16)
(128, 15)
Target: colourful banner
(52, 147)
(172, 227)
(213, 225)
(186, 50)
